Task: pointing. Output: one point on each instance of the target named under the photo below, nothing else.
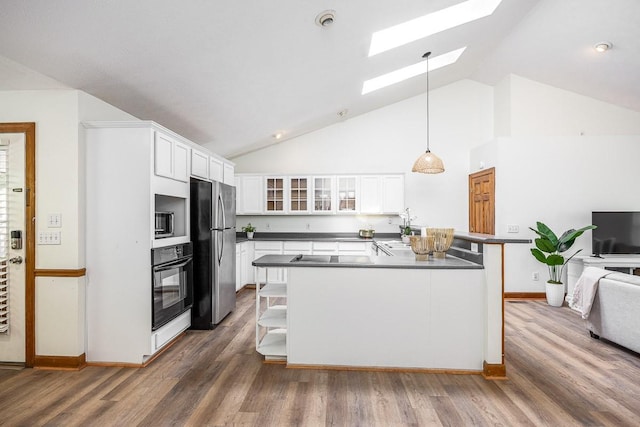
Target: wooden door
(482, 202)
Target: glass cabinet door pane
(275, 194)
(346, 194)
(322, 195)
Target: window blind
(4, 239)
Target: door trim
(29, 130)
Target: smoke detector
(326, 18)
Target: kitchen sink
(333, 259)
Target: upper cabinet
(298, 194)
(382, 194)
(249, 193)
(322, 194)
(210, 167)
(171, 157)
(216, 169)
(199, 164)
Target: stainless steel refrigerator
(213, 233)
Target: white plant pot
(250, 234)
(555, 294)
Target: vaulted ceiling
(231, 74)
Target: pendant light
(428, 162)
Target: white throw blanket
(585, 290)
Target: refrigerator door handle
(220, 237)
(222, 211)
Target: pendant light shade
(428, 162)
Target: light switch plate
(49, 238)
(54, 220)
(513, 228)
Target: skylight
(433, 23)
(411, 71)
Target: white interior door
(12, 268)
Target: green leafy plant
(248, 228)
(549, 248)
(406, 231)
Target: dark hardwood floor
(558, 376)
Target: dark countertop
(316, 237)
(353, 237)
(363, 261)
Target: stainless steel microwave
(164, 224)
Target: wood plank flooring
(558, 376)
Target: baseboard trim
(525, 295)
(62, 363)
(385, 369)
(494, 371)
(138, 365)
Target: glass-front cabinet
(275, 194)
(323, 194)
(347, 194)
(298, 195)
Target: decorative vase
(555, 294)
(250, 234)
(405, 239)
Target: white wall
(546, 172)
(388, 140)
(60, 325)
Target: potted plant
(405, 228)
(548, 250)
(249, 229)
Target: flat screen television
(617, 233)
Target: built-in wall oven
(172, 287)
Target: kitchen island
(386, 312)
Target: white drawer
(262, 245)
(297, 246)
(325, 246)
(352, 246)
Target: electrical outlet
(512, 228)
(389, 221)
(535, 276)
(268, 226)
(308, 226)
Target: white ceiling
(231, 74)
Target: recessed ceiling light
(411, 71)
(431, 23)
(277, 135)
(326, 18)
(603, 46)
(342, 113)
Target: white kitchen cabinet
(199, 164)
(298, 195)
(347, 194)
(381, 194)
(298, 247)
(325, 248)
(171, 157)
(371, 194)
(323, 194)
(249, 194)
(274, 194)
(120, 233)
(244, 269)
(392, 194)
(216, 169)
(353, 248)
(228, 174)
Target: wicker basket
(442, 240)
(421, 246)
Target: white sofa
(615, 314)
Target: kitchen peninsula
(440, 315)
